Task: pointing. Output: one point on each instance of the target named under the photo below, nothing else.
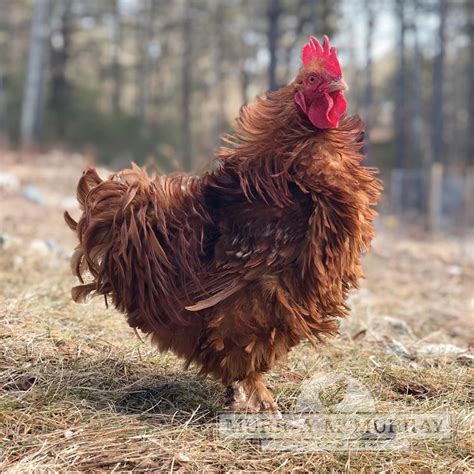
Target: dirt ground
(80, 391)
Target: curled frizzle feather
(141, 239)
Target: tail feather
(140, 239)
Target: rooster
(232, 269)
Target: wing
(256, 240)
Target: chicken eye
(311, 79)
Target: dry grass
(79, 391)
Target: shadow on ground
(169, 395)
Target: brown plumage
(232, 269)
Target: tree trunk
(60, 87)
(116, 66)
(33, 91)
(186, 86)
(470, 134)
(436, 197)
(219, 70)
(146, 18)
(369, 87)
(274, 11)
(468, 187)
(417, 100)
(416, 111)
(400, 105)
(5, 29)
(306, 14)
(3, 111)
(437, 142)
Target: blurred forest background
(159, 81)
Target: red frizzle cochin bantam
(232, 269)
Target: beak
(339, 85)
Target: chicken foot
(251, 395)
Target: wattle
(325, 111)
(338, 108)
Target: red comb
(313, 50)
